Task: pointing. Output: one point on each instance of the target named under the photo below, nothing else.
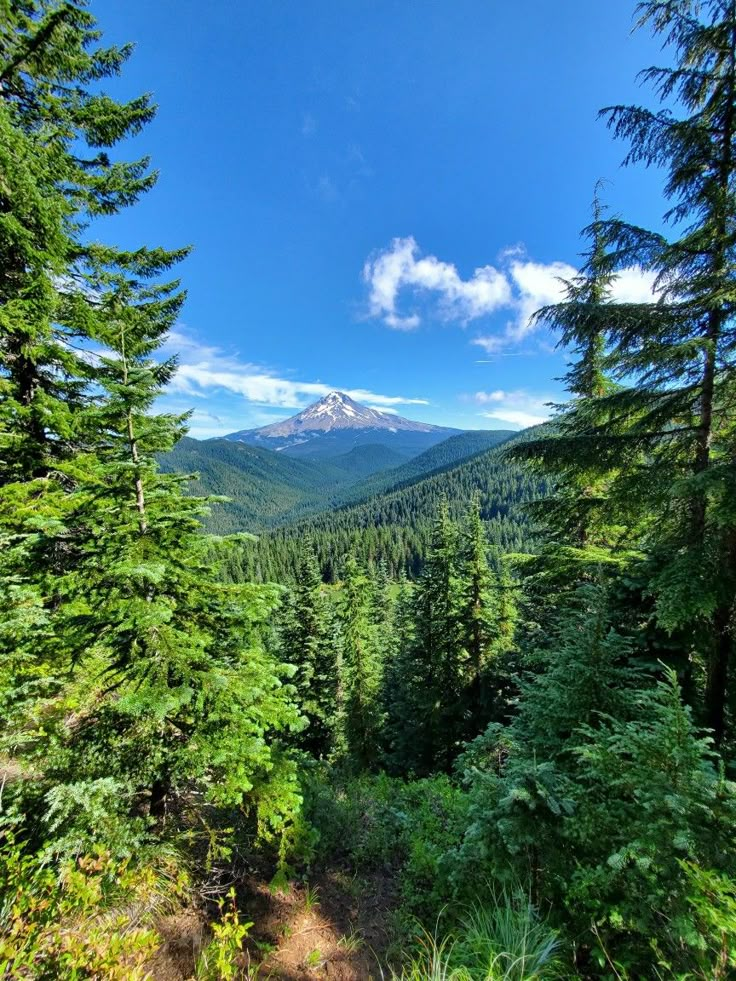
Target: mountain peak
(334, 411)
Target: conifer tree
(150, 678)
(362, 669)
(435, 664)
(51, 65)
(397, 692)
(170, 657)
(661, 445)
(574, 515)
(309, 642)
(682, 350)
(486, 618)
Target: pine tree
(435, 663)
(309, 642)
(362, 669)
(486, 618)
(682, 349)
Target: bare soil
(338, 926)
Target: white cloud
(520, 286)
(400, 267)
(519, 408)
(309, 125)
(536, 285)
(203, 368)
(634, 285)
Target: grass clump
(501, 939)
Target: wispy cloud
(341, 176)
(309, 125)
(519, 408)
(204, 369)
(404, 285)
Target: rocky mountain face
(336, 423)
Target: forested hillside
(439, 457)
(395, 527)
(267, 489)
(264, 488)
(479, 727)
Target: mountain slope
(441, 456)
(336, 424)
(266, 487)
(269, 489)
(395, 526)
(368, 460)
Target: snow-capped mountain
(336, 423)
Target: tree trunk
(718, 671)
(160, 789)
(719, 663)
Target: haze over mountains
(334, 453)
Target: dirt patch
(338, 926)
(183, 936)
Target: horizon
(367, 213)
(388, 412)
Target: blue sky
(378, 193)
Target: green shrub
(221, 959)
(87, 918)
(372, 821)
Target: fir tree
(58, 128)
(150, 677)
(308, 641)
(661, 447)
(171, 659)
(576, 515)
(397, 691)
(362, 669)
(436, 661)
(486, 620)
(682, 349)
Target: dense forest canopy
(504, 686)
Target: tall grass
(501, 939)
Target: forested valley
(473, 721)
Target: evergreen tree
(139, 679)
(583, 531)
(309, 642)
(486, 619)
(170, 658)
(396, 697)
(682, 350)
(57, 131)
(661, 447)
(435, 663)
(362, 669)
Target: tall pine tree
(309, 642)
(361, 668)
(486, 619)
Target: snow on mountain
(336, 422)
(338, 411)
